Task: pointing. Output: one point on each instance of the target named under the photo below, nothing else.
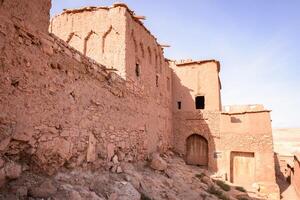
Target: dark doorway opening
(179, 105)
(200, 102)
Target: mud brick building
(98, 83)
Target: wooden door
(197, 150)
(242, 168)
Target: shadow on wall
(282, 181)
(196, 130)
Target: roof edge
(245, 112)
(199, 62)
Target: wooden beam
(139, 17)
(165, 45)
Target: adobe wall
(155, 76)
(34, 14)
(203, 123)
(59, 107)
(193, 79)
(97, 32)
(296, 174)
(250, 131)
(282, 163)
(129, 44)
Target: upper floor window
(200, 102)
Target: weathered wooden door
(242, 168)
(197, 150)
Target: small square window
(200, 102)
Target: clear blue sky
(256, 41)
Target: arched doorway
(196, 150)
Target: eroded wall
(155, 77)
(114, 37)
(59, 107)
(98, 33)
(34, 14)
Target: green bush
(223, 185)
(241, 189)
(218, 193)
(213, 190)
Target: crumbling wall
(60, 108)
(155, 78)
(97, 32)
(35, 14)
(114, 37)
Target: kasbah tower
(145, 103)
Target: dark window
(156, 81)
(200, 102)
(179, 104)
(137, 70)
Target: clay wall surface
(194, 79)
(97, 32)
(59, 107)
(281, 165)
(191, 80)
(249, 132)
(203, 123)
(243, 108)
(296, 174)
(62, 104)
(131, 45)
(34, 14)
(155, 76)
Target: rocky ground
(166, 177)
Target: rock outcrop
(158, 163)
